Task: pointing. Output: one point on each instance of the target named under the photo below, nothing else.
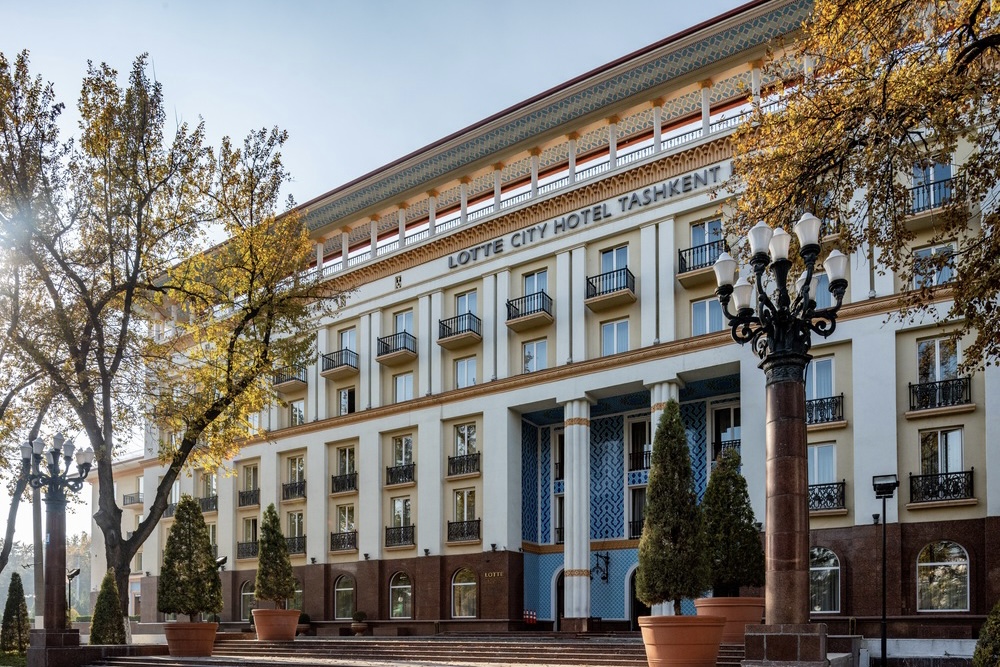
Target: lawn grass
(13, 660)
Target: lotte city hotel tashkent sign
(694, 181)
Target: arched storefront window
(464, 594)
(824, 580)
(246, 600)
(343, 597)
(400, 596)
(943, 577)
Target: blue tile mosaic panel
(607, 466)
(529, 482)
(695, 425)
(545, 486)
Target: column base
(578, 625)
(801, 645)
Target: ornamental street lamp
(54, 478)
(780, 330)
(885, 486)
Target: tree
(189, 580)
(14, 630)
(672, 554)
(102, 243)
(108, 624)
(987, 653)
(736, 555)
(275, 580)
(894, 86)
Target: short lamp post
(780, 329)
(49, 470)
(885, 486)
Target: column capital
(613, 119)
(573, 136)
(402, 206)
(658, 102)
(432, 193)
(535, 152)
(465, 180)
(498, 166)
(375, 217)
(758, 64)
(705, 83)
(346, 229)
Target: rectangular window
(345, 460)
(403, 387)
(536, 356)
(345, 518)
(941, 451)
(465, 505)
(404, 321)
(640, 445)
(251, 478)
(465, 372)
(402, 450)
(346, 401)
(400, 512)
(819, 378)
(821, 295)
(138, 484)
(253, 422)
(349, 339)
(209, 485)
(296, 524)
(706, 232)
(706, 316)
(465, 303)
(933, 266)
(614, 259)
(558, 454)
(296, 469)
(614, 337)
(250, 529)
(213, 534)
(822, 464)
(297, 412)
(536, 282)
(175, 492)
(932, 185)
(937, 360)
(558, 517)
(465, 439)
(638, 511)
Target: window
(402, 450)
(465, 439)
(465, 505)
(349, 339)
(822, 464)
(640, 445)
(209, 485)
(297, 412)
(614, 259)
(536, 282)
(345, 460)
(819, 378)
(937, 359)
(941, 451)
(535, 355)
(296, 524)
(295, 602)
(465, 303)
(213, 534)
(175, 492)
(638, 507)
(250, 529)
(706, 232)
(251, 478)
(404, 321)
(821, 295)
(614, 337)
(943, 577)
(343, 597)
(557, 520)
(246, 600)
(465, 372)
(706, 316)
(932, 185)
(400, 596)
(463, 594)
(403, 387)
(346, 401)
(933, 266)
(253, 423)
(824, 580)
(400, 512)
(296, 469)
(558, 454)
(345, 519)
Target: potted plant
(736, 555)
(275, 582)
(673, 562)
(189, 582)
(359, 627)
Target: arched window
(343, 597)
(824, 580)
(295, 602)
(246, 600)
(400, 596)
(943, 577)
(463, 594)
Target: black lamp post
(885, 486)
(70, 576)
(780, 329)
(49, 470)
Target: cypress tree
(108, 626)
(987, 653)
(189, 580)
(673, 561)
(275, 579)
(15, 626)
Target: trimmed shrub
(108, 626)
(987, 652)
(189, 580)
(14, 630)
(275, 579)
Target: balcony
(721, 446)
(639, 460)
(529, 312)
(828, 410)
(559, 534)
(463, 531)
(941, 487)
(289, 379)
(344, 483)
(460, 331)
(943, 394)
(169, 511)
(694, 265)
(249, 498)
(209, 503)
(635, 529)
(399, 536)
(132, 499)
(397, 349)
(609, 290)
(935, 194)
(296, 545)
(404, 474)
(344, 541)
(467, 464)
(339, 365)
(247, 549)
(827, 497)
(293, 490)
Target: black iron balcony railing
(296, 545)
(934, 194)
(927, 395)
(344, 541)
(247, 549)
(699, 256)
(339, 359)
(397, 536)
(559, 534)
(721, 446)
(635, 529)
(132, 499)
(539, 302)
(209, 503)
(293, 490)
(249, 498)
(400, 474)
(169, 511)
(467, 464)
(460, 324)
(943, 486)
(289, 374)
(463, 531)
(344, 483)
(397, 342)
(825, 410)
(610, 282)
(827, 496)
(557, 470)
(639, 460)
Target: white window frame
(614, 337)
(344, 400)
(828, 569)
(812, 374)
(536, 282)
(251, 477)
(348, 339)
(400, 511)
(459, 591)
(465, 503)
(465, 372)
(296, 522)
(346, 518)
(297, 412)
(466, 303)
(943, 564)
(296, 468)
(937, 358)
(613, 259)
(402, 387)
(346, 460)
(938, 276)
(465, 439)
(702, 308)
(403, 321)
(406, 606)
(945, 450)
(813, 451)
(344, 585)
(402, 445)
(530, 366)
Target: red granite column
(55, 562)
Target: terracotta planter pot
(190, 639)
(738, 612)
(275, 624)
(681, 641)
(359, 628)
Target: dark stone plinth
(580, 625)
(62, 649)
(793, 644)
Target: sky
(356, 84)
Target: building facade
(470, 446)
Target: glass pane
(949, 359)
(927, 361)
(821, 384)
(951, 449)
(714, 315)
(929, 464)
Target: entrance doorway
(638, 607)
(560, 602)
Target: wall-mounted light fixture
(602, 565)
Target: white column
(991, 415)
(576, 547)
(657, 125)
(613, 141)
(808, 65)
(572, 136)
(501, 500)
(435, 374)
(226, 523)
(648, 303)
(563, 305)
(659, 394)
(345, 247)
(401, 222)
(464, 191)
(706, 107)
(317, 492)
(270, 477)
(432, 510)
(319, 255)
(431, 210)
(502, 332)
(578, 312)
(371, 373)
(373, 225)
(425, 340)
(313, 380)
(371, 525)
(273, 418)
(755, 80)
(491, 334)
(497, 173)
(667, 329)
(321, 409)
(534, 171)
(753, 414)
